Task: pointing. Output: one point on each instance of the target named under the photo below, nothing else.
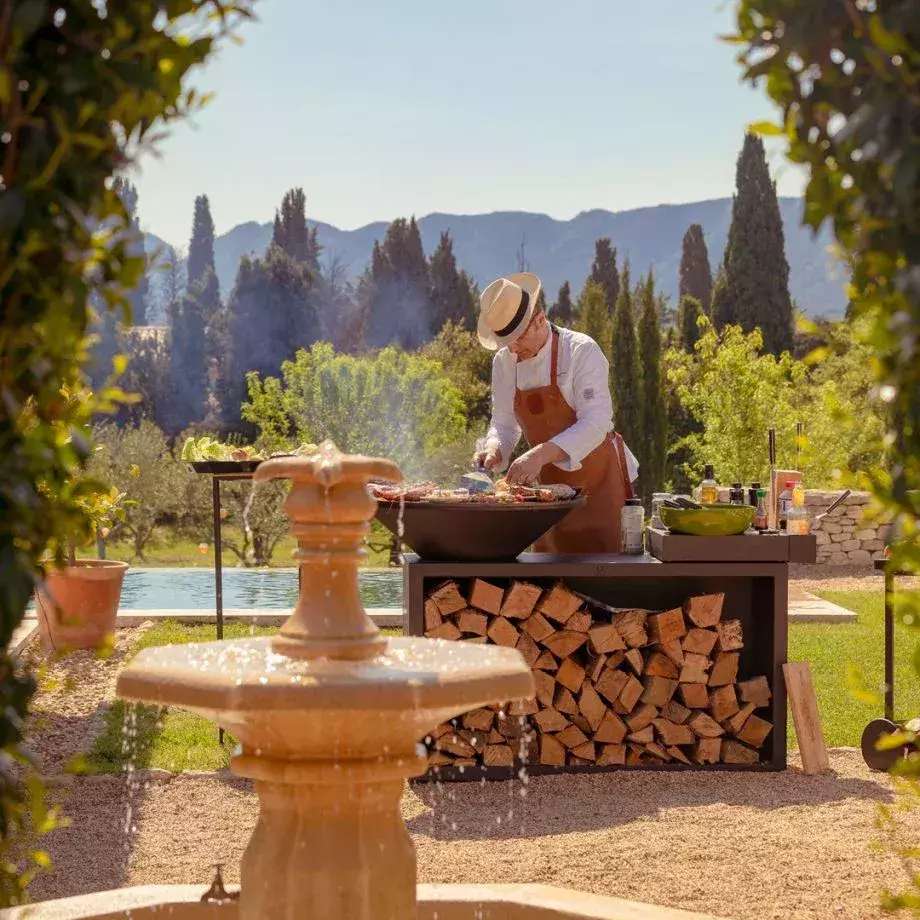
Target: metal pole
(218, 571)
(889, 641)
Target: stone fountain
(329, 713)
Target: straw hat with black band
(506, 307)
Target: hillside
(487, 245)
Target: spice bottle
(785, 503)
(736, 495)
(797, 517)
(632, 519)
(709, 488)
(752, 493)
(760, 515)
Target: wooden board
(675, 547)
(805, 717)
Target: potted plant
(77, 604)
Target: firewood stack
(613, 686)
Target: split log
(731, 635)
(538, 627)
(592, 706)
(437, 759)
(678, 754)
(549, 721)
(695, 669)
(564, 643)
(486, 596)
(672, 734)
(559, 603)
(446, 630)
(703, 725)
(503, 632)
(498, 755)
(612, 755)
(545, 685)
(572, 736)
(658, 691)
(756, 691)
(512, 727)
(552, 751)
(476, 740)
(463, 762)
(631, 626)
(475, 640)
(615, 659)
(642, 736)
(642, 716)
(470, 621)
(565, 702)
(694, 696)
(480, 720)
(571, 675)
(611, 684)
(656, 750)
(523, 707)
(579, 720)
(605, 638)
(723, 703)
(520, 601)
(448, 598)
(666, 626)
(581, 621)
(735, 752)
(496, 737)
(705, 610)
(546, 662)
(736, 722)
(659, 665)
(443, 729)
(631, 693)
(595, 666)
(612, 729)
(528, 649)
(755, 731)
(635, 660)
(585, 751)
(677, 713)
(456, 745)
(674, 651)
(724, 669)
(433, 617)
(699, 641)
(706, 750)
(634, 755)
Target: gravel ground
(735, 845)
(849, 581)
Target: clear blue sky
(381, 110)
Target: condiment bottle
(632, 518)
(736, 496)
(709, 488)
(760, 515)
(752, 493)
(797, 516)
(785, 503)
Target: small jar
(632, 521)
(657, 499)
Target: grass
(175, 740)
(847, 664)
(163, 738)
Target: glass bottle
(632, 519)
(760, 515)
(657, 499)
(709, 488)
(785, 503)
(736, 496)
(797, 517)
(752, 493)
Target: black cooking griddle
(470, 531)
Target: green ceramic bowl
(717, 520)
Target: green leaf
(765, 128)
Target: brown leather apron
(543, 413)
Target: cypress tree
(723, 313)
(688, 314)
(137, 298)
(756, 270)
(451, 295)
(625, 372)
(188, 366)
(291, 233)
(695, 271)
(563, 308)
(604, 272)
(593, 317)
(654, 449)
(541, 300)
(201, 246)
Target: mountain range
(490, 245)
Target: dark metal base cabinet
(755, 593)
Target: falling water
(247, 529)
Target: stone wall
(845, 538)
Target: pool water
(266, 589)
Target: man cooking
(552, 383)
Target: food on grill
(504, 494)
(202, 450)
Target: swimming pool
(266, 589)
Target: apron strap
(554, 361)
(621, 454)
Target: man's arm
(504, 431)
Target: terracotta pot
(77, 606)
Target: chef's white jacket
(582, 375)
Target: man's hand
(490, 458)
(527, 468)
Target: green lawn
(175, 740)
(834, 649)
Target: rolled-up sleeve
(593, 406)
(504, 431)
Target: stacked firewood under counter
(613, 686)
